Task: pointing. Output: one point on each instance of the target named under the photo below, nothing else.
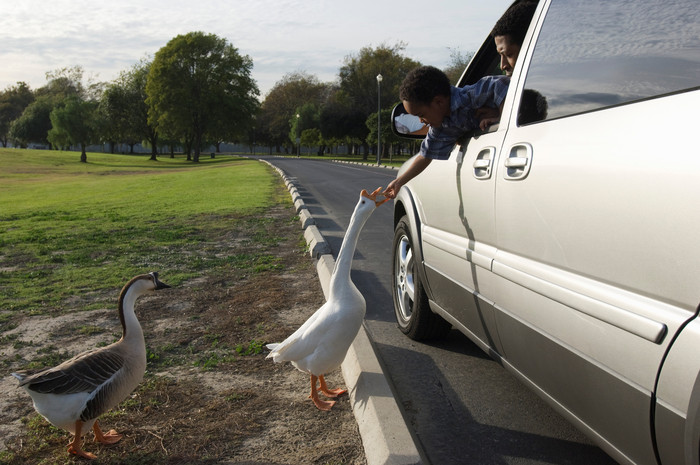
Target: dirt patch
(209, 395)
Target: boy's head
(509, 32)
(425, 93)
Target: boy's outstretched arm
(416, 168)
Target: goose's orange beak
(373, 196)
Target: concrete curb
(385, 436)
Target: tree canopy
(124, 103)
(75, 122)
(292, 92)
(13, 101)
(200, 86)
(358, 76)
(198, 91)
(457, 65)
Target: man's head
(425, 93)
(509, 32)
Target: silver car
(567, 246)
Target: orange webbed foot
(111, 437)
(80, 452)
(320, 404)
(74, 446)
(332, 393)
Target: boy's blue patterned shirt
(489, 91)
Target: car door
(458, 230)
(595, 222)
(454, 199)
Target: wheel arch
(675, 409)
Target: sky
(281, 36)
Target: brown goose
(73, 394)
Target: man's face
(432, 113)
(508, 51)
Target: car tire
(411, 307)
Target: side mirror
(404, 124)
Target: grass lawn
(69, 228)
(223, 234)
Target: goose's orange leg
(74, 446)
(330, 392)
(111, 437)
(320, 404)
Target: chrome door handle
(518, 162)
(484, 162)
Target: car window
(593, 54)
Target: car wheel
(413, 314)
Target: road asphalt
(385, 436)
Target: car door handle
(518, 162)
(484, 162)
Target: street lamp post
(298, 138)
(379, 119)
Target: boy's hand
(487, 116)
(486, 122)
(392, 189)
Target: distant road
(462, 407)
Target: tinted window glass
(592, 54)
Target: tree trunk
(197, 147)
(153, 140)
(83, 155)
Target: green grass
(69, 228)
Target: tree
(124, 103)
(305, 124)
(34, 123)
(65, 82)
(358, 78)
(457, 65)
(281, 104)
(340, 120)
(304, 117)
(200, 85)
(13, 101)
(388, 136)
(75, 122)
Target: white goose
(320, 344)
(73, 394)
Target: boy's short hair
(424, 83)
(515, 21)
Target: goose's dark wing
(83, 373)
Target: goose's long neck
(131, 328)
(343, 264)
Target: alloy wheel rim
(405, 284)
